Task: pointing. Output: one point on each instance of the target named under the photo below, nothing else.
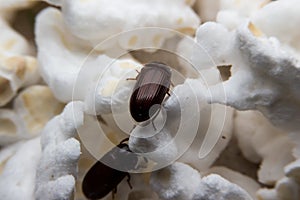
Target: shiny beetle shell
(153, 83)
(101, 178)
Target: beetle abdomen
(104, 176)
(100, 180)
(152, 84)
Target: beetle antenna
(100, 118)
(132, 128)
(133, 79)
(155, 129)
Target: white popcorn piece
(258, 65)
(207, 53)
(292, 170)
(180, 181)
(177, 181)
(232, 13)
(16, 72)
(286, 188)
(59, 73)
(113, 89)
(16, 69)
(32, 109)
(257, 139)
(36, 105)
(57, 168)
(158, 147)
(280, 12)
(207, 9)
(84, 21)
(7, 7)
(215, 187)
(245, 125)
(247, 183)
(17, 179)
(94, 81)
(12, 42)
(188, 102)
(211, 139)
(6, 153)
(203, 143)
(11, 127)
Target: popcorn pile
(235, 82)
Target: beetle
(152, 84)
(102, 179)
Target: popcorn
(177, 181)
(247, 52)
(93, 82)
(16, 72)
(280, 12)
(159, 147)
(16, 69)
(215, 187)
(8, 9)
(170, 140)
(12, 42)
(86, 52)
(18, 176)
(57, 168)
(207, 10)
(36, 105)
(257, 139)
(119, 16)
(245, 124)
(247, 183)
(27, 118)
(286, 188)
(14, 5)
(232, 13)
(11, 127)
(180, 181)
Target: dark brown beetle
(152, 84)
(102, 179)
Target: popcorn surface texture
(226, 127)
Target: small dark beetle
(152, 85)
(102, 179)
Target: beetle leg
(124, 140)
(128, 180)
(145, 159)
(99, 118)
(113, 192)
(133, 79)
(130, 79)
(132, 128)
(172, 84)
(168, 94)
(153, 125)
